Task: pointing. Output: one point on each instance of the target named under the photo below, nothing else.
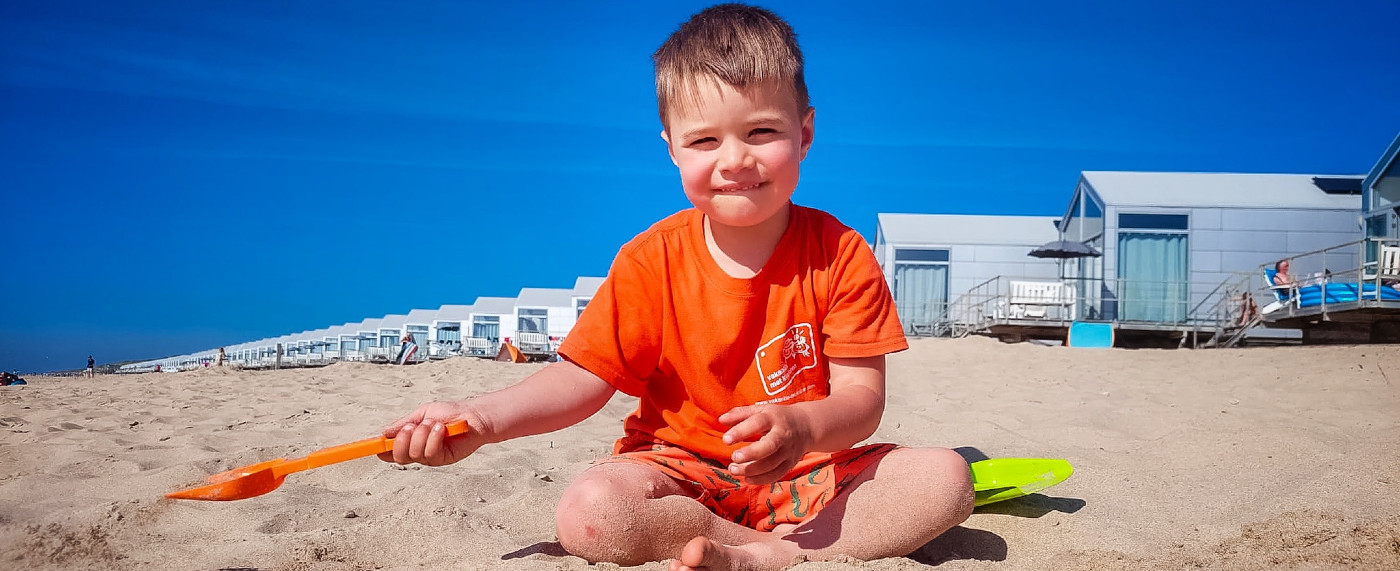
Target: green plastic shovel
(1005, 478)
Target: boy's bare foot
(708, 555)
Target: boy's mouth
(738, 187)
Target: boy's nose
(735, 157)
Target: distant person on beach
(1248, 309)
(407, 348)
(91, 369)
(219, 358)
(754, 333)
(1281, 275)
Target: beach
(1253, 458)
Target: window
(419, 333)
(449, 331)
(920, 288)
(1386, 190)
(1085, 218)
(579, 305)
(486, 327)
(1092, 209)
(912, 255)
(388, 337)
(533, 321)
(1153, 221)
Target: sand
(1253, 458)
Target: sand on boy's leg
(630, 514)
(870, 520)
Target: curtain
(485, 330)
(920, 295)
(447, 332)
(1152, 277)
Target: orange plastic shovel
(263, 477)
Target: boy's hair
(742, 46)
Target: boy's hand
(420, 436)
(783, 435)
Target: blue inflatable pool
(1309, 296)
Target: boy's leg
(630, 514)
(892, 508)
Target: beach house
(584, 290)
(446, 332)
(419, 324)
(492, 319)
(350, 342)
(931, 259)
(1170, 240)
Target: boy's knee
(954, 479)
(960, 481)
(590, 516)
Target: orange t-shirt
(668, 325)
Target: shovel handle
(366, 447)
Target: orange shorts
(802, 492)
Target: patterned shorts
(803, 491)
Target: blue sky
(176, 176)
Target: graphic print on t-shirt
(782, 358)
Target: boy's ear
(667, 137)
(808, 129)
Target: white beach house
(419, 324)
(1170, 240)
(931, 259)
(543, 316)
(350, 342)
(584, 290)
(390, 331)
(367, 333)
(331, 338)
(446, 333)
(492, 320)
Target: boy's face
(738, 152)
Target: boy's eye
(762, 131)
(703, 142)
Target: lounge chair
(1283, 294)
(1325, 292)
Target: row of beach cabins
(1156, 258)
(533, 323)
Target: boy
(754, 332)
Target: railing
(1361, 273)
(382, 354)
(444, 348)
(479, 347)
(1038, 301)
(534, 344)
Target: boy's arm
(784, 433)
(555, 397)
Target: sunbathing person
(1281, 275)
